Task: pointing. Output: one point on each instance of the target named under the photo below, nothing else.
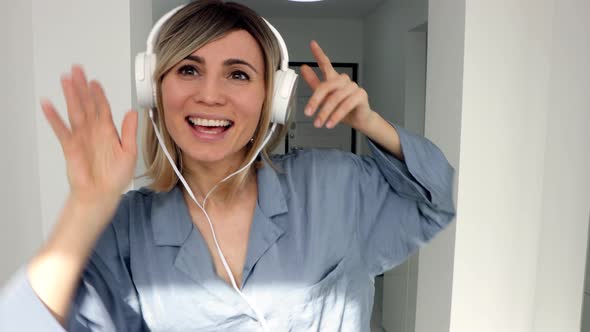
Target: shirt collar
(271, 197)
(171, 220)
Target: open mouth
(209, 127)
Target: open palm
(99, 162)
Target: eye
(187, 70)
(240, 75)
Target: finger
(57, 124)
(81, 86)
(322, 91)
(129, 132)
(334, 101)
(75, 115)
(345, 107)
(310, 77)
(323, 61)
(103, 109)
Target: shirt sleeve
(21, 309)
(105, 299)
(402, 204)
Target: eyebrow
(227, 62)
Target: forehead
(238, 44)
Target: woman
(292, 243)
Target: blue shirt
(324, 226)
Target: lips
(207, 129)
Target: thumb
(129, 132)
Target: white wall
(20, 212)
(566, 184)
(415, 78)
(444, 94)
(341, 39)
(67, 32)
(48, 36)
(506, 96)
(385, 36)
(502, 152)
(392, 78)
(523, 185)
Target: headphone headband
(156, 30)
(282, 46)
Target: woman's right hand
(100, 164)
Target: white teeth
(208, 122)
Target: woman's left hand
(340, 99)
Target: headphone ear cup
(144, 86)
(283, 91)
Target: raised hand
(100, 164)
(340, 99)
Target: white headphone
(145, 64)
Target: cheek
(173, 95)
(172, 102)
(252, 103)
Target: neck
(204, 176)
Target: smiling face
(213, 98)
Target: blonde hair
(193, 26)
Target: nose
(210, 92)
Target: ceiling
(326, 8)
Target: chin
(210, 154)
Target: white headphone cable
(259, 315)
